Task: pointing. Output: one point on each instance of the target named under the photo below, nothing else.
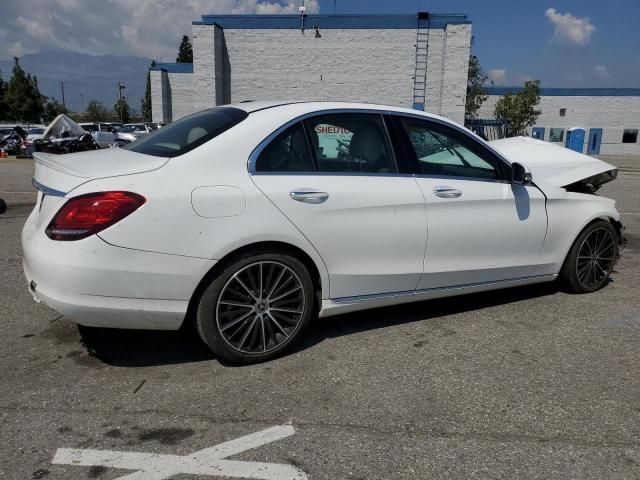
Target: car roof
(311, 106)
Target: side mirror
(520, 174)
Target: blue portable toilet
(575, 139)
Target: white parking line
(210, 461)
(629, 213)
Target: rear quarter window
(189, 132)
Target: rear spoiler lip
(48, 160)
(47, 190)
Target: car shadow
(423, 311)
(138, 348)
(144, 348)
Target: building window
(630, 135)
(563, 112)
(556, 134)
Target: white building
(404, 60)
(610, 117)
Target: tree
(52, 109)
(23, 97)
(475, 93)
(122, 110)
(518, 109)
(185, 52)
(96, 111)
(145, 107)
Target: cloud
(602, 71)
(497, 76)
(570, 29)
(146, 28)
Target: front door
(336, 178)
(595, 138)
(481, 228)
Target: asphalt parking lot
(521, 383)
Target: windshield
(188, 133)
(90, 128)
(124, 129)
(36, 131)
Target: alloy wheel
(595, 258)
(260, 307)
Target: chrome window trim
(410, 293)
(251, 162)
(454, 177)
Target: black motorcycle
(83, 143)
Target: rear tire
(256, 308)
(591, 259)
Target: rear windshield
(184, 135)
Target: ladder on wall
(422, 51)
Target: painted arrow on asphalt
(210, 461)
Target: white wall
(364, 65)
(612, 114)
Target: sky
(564, 43)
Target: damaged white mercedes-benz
(251, 219)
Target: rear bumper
(97, 284)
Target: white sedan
(251, 219)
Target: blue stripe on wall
(330, 21)
(571, 92)
(174, 67)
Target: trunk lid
(57, 175)
(555, 164)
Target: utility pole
(81, 103)
(120, 88)
(64, 105)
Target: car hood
(62, 173)
(555, 164)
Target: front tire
(256, 308)
(591, 259)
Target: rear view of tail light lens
(89, 214)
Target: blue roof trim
(174, 67)
(571, 92)
(438, 20)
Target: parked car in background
(139, 128)
(259, 216)
(124, 134)
(35, 133)
(103, 133)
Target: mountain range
(85, 77)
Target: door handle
(447, 192)
(309, 196)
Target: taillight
(86, 215)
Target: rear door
(335, 176)
(481, 228)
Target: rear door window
(351, 142)
(189, 132)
